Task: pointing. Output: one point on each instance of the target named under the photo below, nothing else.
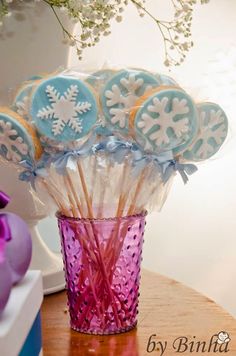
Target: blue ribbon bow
(141, 160)
(117, 148)
(67, 159)
(172, 166)
(164, 163)
(33, 171)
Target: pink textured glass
(102, 260)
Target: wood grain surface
(168, 310)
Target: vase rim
(61, 216)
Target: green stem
(64, 30)
(158, 22)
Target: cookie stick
(153, 122)
(55, 198)
(103, 192)
(54, 122)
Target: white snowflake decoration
(127, 101)
(22, 106)
(64, 109)
(14, 145)
(208, 132)
(165, 120)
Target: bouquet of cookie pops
(105, 147)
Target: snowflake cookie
(165, 120)
(17, 139)
(63, 108)
(211, 135)
(120, 94)
(21, 101)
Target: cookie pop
(213, 129)
(165, 120)
(63, 109)
(18, 139)
(120, 94)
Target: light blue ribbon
(67, 159)
(164, 163)
(33, 171)
(117, 148)
(184, 169)
(142, 159)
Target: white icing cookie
(63, 108)
(120, 93)
(165, 120)
(212, 132)
(18, 140)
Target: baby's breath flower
(95, 16)
(118, 18)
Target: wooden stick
(94, 178)
(103, 194)
(138, 188)
(56, 200)
(85, 190)
(70, 197)
(123, 197)
(76, 198)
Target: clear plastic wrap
(107, 143)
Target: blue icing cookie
(63, 108)
(213, 129)
(15, 142)
(121, 93)
(167, 120)
(166, 80)
(21, 100)
(102, 129)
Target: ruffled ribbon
(67, 159)
(5, 232)
(33, 171)
(141, 160)
(164, 163)
(184, 169)
(117, 148)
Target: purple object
(4, 200)
(5, 282)
(5, 232)
(18, 250)
(102, 261)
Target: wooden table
(168, 310)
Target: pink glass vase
(102, 259)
